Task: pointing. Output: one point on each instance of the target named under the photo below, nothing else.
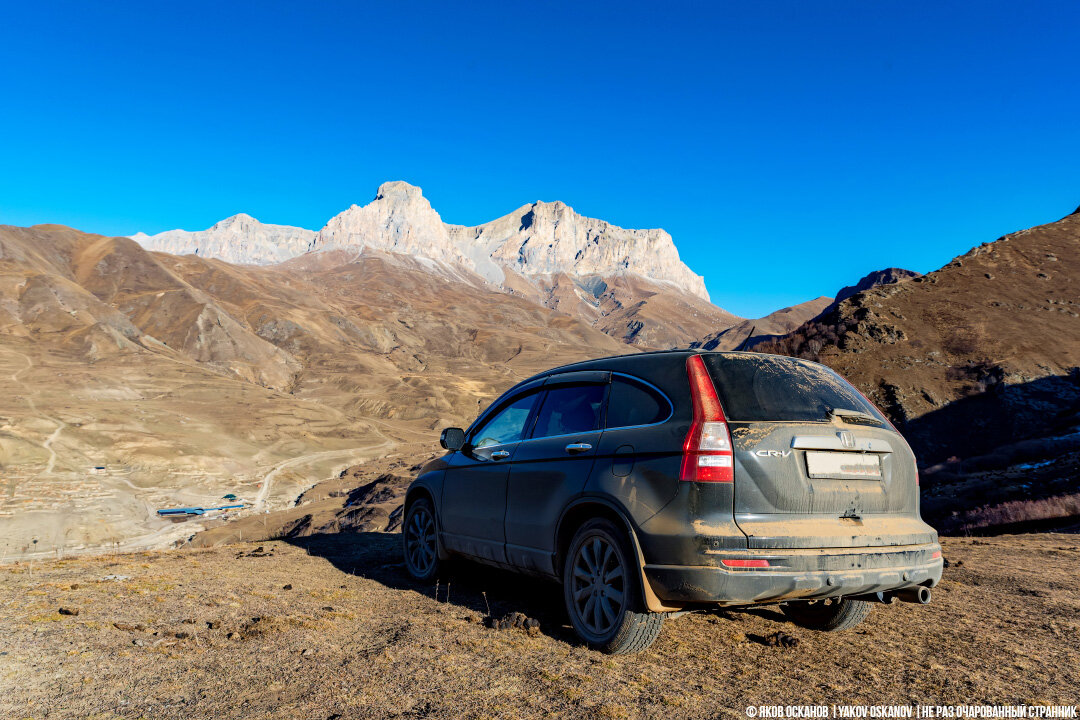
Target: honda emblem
(847, 439)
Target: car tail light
(707, 451)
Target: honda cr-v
(656, 483)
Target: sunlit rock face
(542, 238)
(240, 239)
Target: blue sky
(789, 147)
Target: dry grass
(355, 638)
(1016, 512)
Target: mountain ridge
(623, 281)
(539, 238)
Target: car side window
(507, 426)
(632, 403)
(570, 409)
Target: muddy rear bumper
(796, 574)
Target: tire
(828, 615)
(602, 594)
(420, 541)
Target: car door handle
(576, 448)
(500, 454)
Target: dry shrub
(1019, 511)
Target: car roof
(679, 352)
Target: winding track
(60, 424)
(350, 454)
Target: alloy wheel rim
(420, 541)
(598, 586)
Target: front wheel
(420, 540)
(602, 594)
(829, 614)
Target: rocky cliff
(541, 238)
(538, 239)
(240, 239)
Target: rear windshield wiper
(844, 413)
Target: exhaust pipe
(919, 594)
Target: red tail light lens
(707, 451)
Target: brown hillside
(189, 378)
(779, 322)
(974, 355)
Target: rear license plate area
(843, 465)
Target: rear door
(816, 465)
(474, 489)
(552, 466)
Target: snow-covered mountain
(240, 239)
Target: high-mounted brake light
(707, 451)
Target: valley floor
(331, 627)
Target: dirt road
(353, 637)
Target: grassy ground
(214, 633)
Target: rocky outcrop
(888, 276)
(240, 239)
(538, 239)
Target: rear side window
(773, 388)
(568, 410)
(507, 425)
(632, 403)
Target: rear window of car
(569, 410)
(773, 388)
(632, 403)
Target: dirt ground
(330, 626)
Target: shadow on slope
(489, 591)
(1005, 423)
(1008, 459)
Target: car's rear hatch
(816, 465)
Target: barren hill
(977, 363)
(746, 332)
(187, 378)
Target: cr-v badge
(773, 453)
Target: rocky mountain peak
(239, 239)
(241, 219)
(400, 188)
(538, 239)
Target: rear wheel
(829, 614)
(420, 540)
(602, 594)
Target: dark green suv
(660, 482)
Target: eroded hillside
(185, 379)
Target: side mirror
(452, 439)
